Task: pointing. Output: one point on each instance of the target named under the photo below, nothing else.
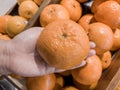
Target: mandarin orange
(3, 23)
(63, 44)
(74, 8)
(53, 12)
(90, 73)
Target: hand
(25, 61)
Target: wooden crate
(110, 77)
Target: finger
(92, 44)
(80, 65)
(91, 52)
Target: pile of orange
(64, 42)
(14, 24)
(55, 42)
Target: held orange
(63, 44)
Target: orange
(15, 25)
(102, 35)
(90, 73)
(106, 59)
(70, 88)
(95, 4)
(118, 1)
(3, 23)
(93, 85)
(59, 82)
(108, 13)
(16, 76)
(65, 73)
(27, 9)
(85, 21)
(82, 1)
(74, 8)
(5, 37)
(20, 1)
(53, 12)
(85, 87)
(116, 40)
(46, 82)
(63, 44)
(38, 2)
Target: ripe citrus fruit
(3, 23)
(90, 73)
(106, 59)
(46, 82)
(85, 87)
(27, 9)
(16, 76)
(93, 85)
(82, 1)
(63, 44)
(74, 8)
(52, 12)
(85, 21)
(108, 13)
(65, 73)
(38, 2)
(15, 25)
(95, 4)
(59, 82)
(5, 37)
(70, 88)
(116, 40)
(102, 35)
(20, 1)
(118, 1)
